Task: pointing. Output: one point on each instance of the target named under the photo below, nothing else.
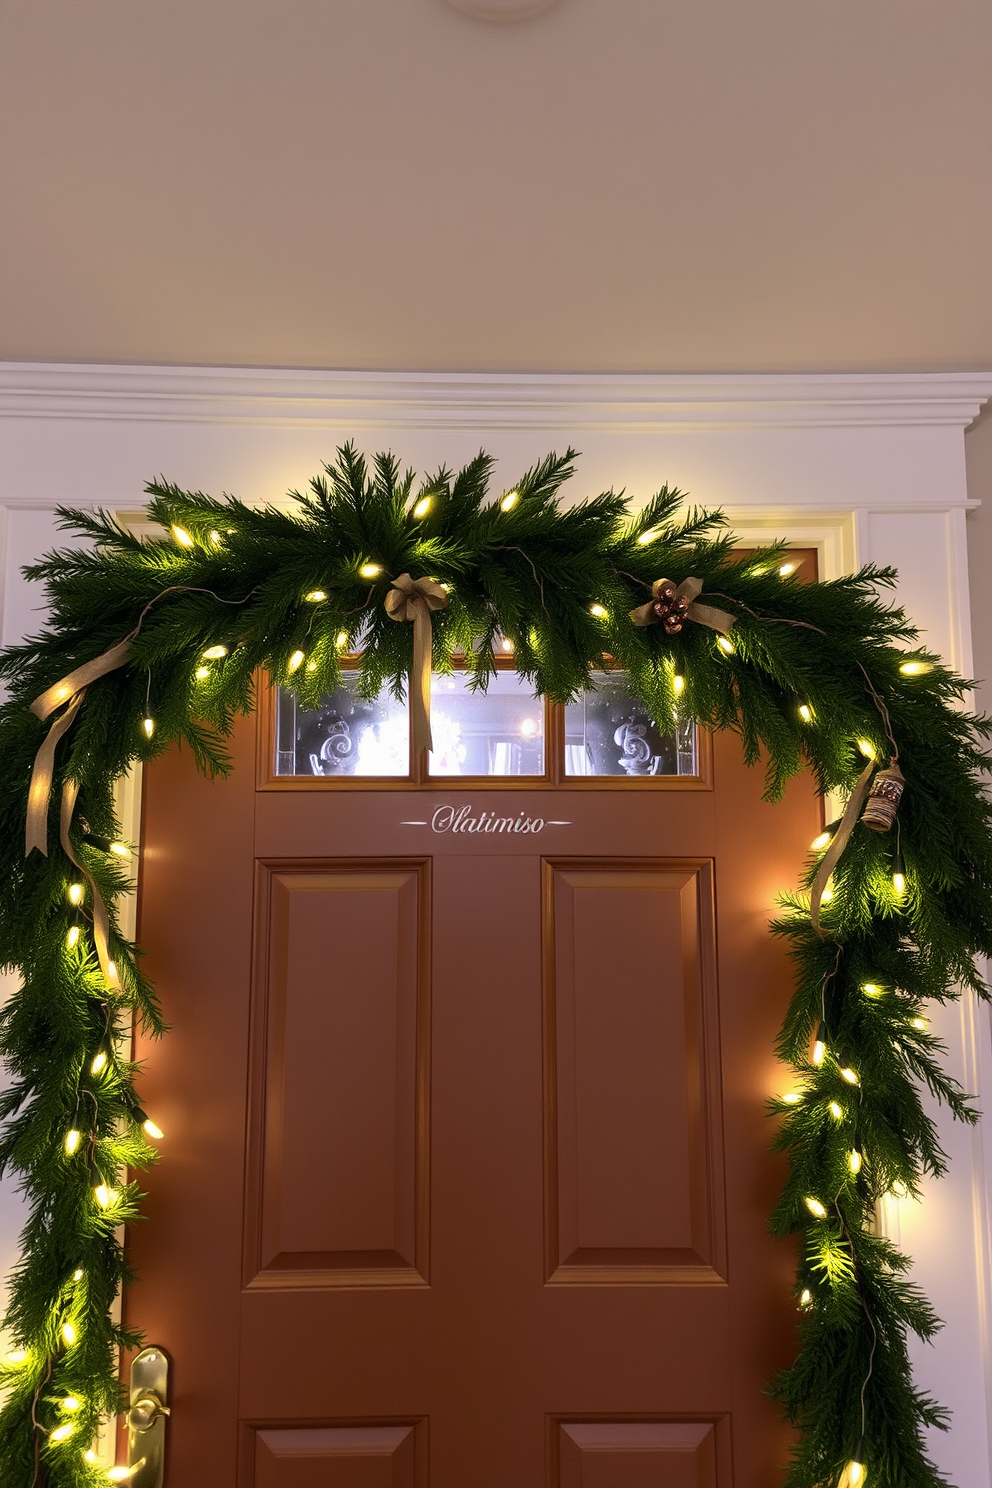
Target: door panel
(634, 1181)
(546, 1052)
(340, 1084)
(637, 1454)
(336, 1457)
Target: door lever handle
(147, 1415)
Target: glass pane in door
(345, 735)
(608, 731)
(497, 732)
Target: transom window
(503, 735)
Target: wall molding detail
(284, 397)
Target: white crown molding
(277, 397)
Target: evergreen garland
(285, 591)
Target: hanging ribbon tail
(414, 600)
(101, 919)
(61, 692)
(40, 789)
(715, 619)
(840, 840)
(71, 689)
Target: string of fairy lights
(831, 1079)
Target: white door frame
(866, 468)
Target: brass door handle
(146, 1418)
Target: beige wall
(616, 185)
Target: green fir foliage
(266, 583)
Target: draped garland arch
(152, 643)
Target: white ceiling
(613, 185)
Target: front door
(465, 1178)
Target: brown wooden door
(465, 1179)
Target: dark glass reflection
(346, 735)
(608, 731)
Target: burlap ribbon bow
(414, 600)
(672, 605)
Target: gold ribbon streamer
(414, 599)
(688, 589)
(101, 919)
(840, 839)
(40, 789)
(71, 689)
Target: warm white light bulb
(819, 843)
(819, 1049)
(815, 1208)
(148, 724)
(836, 1110)
(528, 728)
(17, 1356)
(921, 1024)
(854, 1160)
(89, 1455)
(678, 685)
(806, 1298)
(121, 1474)
(370, 570)
(853, 1475)
(72, 937)
(600, 612)
(71, 1403)
(341, 639)
(871, 989)
(914, 668)
(103, 1195)
(214, 653)
(509, 501)
(899, 884)
(153, 1130)
(75, 893)
(652, 535)
(215, 538)
(182, 537)
(99, 1062)
(78, 1274)
(68, 1334)
(828, 892)
(316, 595)
(121, 849)
(422, 507)
(61, 1432)
(805, 712)
(725, 646)
(867, 748)
(201, 673)
(507, 644)
(850, 1076)
(295, 661)
(792, 1098)
(72, 1141)
(787, 568)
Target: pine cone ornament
(671, 608)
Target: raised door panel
(335, 1457)
(338, 1146)
(634, 1180)
(637, 1454)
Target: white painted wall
(867, 468)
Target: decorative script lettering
(463, 819)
